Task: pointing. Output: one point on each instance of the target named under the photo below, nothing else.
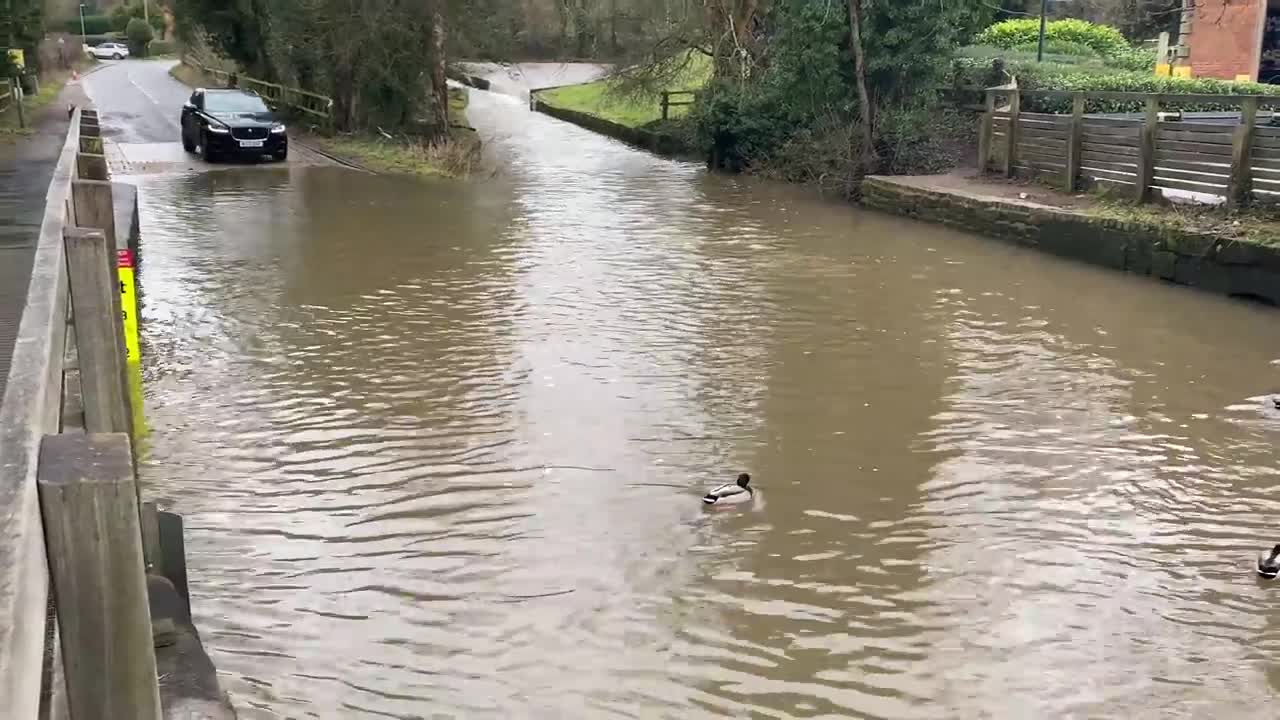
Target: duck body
(1269, 564)
(731, 493)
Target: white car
(110, 51)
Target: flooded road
(440, 448)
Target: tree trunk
(866, 112)
(439, 84)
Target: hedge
(162, 47)
(1103, 39)
(93, 25)
(1052, 76)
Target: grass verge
(33, 105)
(410, 156)
(600, 99)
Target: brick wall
(1226, 38)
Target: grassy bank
(33, 105)
(599, 98)
(408, 156)
(377, 152)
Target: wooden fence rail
(668, 102)
(56, 481)
(1161, 150)
(305, 101)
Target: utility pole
(82, 35)
(146, 11)
(1040, 49)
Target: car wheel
(186, 142)
(205, 151)
(117, 56)
(282, 155)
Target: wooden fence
(70, 516)
(1229, 155)
(668, 102)
(305, 101)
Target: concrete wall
(1226, 38)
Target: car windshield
(234, 103)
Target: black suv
(223, 123)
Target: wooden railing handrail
(29, 410)
(284, 90)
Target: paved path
(26, 165)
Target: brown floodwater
(440, 448)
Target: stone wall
(1188, 258)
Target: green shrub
(1103, 39)
(140, 35)
(93, 25)
(1059, 47)
(1058, 76)
(162, 47)
(1134, 59)
(122, 14)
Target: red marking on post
(124, 258)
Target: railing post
(1147, 150)
(666, 103)
(91, 166)
(89, 504)
(95, 297)
(15, 95)
(95, 207)
(986, 131)
(1238, 194)
(1075, 133)
(1011, 135)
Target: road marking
(129, 76)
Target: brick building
(1232, 39)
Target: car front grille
(249, 133)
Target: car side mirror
(188, 105)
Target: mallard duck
(1269, 565)
(1276, 401)
(732, 493)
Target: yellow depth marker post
(133, 350)
(128, 304)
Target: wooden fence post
(89, 503)
(1011, 135)
(666, 104)
(15, 96)
(95, 295)
(986, 131)
(1075, 133)
(95, 207)
(1147, 150)
(1238, 194)
(91, 166)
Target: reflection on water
(441, 446)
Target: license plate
(252, 143)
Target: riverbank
(634, 119)
(1231, 255)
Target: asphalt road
(137, 100)
(140, 106)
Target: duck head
(745, 479)
(1275, 553)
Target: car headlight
(219, 130)
(277, 129)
